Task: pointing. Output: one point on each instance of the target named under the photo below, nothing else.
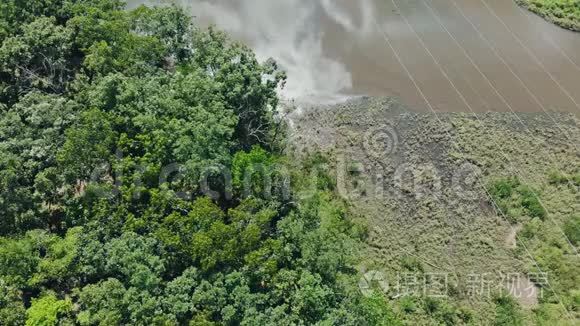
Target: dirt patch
(511, 238)
(526, 292)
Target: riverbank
(564, 13)
(417, 178)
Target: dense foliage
(109, 121)
(550, 244)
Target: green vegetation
(558, 263)
(141, 183)
(572, 229)
(48, 310)
(552, 246)
(454, 227)
(113, 125)
(565, 13)
(514, 199)
(507, 312)
(542, 204)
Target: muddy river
(443, 55)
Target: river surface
(442, 55)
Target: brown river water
(443, 55)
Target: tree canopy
(109, 121)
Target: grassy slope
(548, 164)
(439, 232)
(565, 13)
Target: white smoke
(293, 33)
(341, 11)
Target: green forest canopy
(113, 126)
(97, 102)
